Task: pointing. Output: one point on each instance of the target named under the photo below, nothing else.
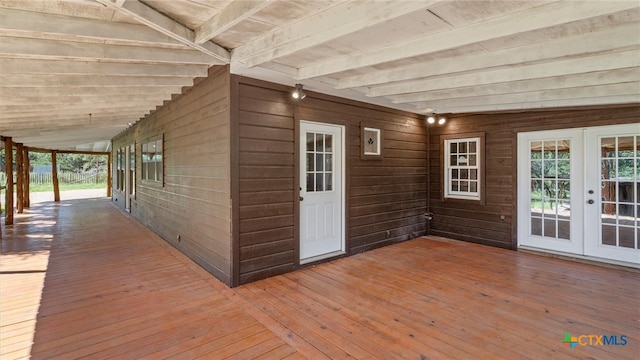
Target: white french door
(579, 191)
(321, 191)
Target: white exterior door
(321, 191)
(613, 176)
(578, 192)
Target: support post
(109, 175)
(54, 172)
(8, 153)
(19, 178)
(27, 179)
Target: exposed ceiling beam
(231, 15)
(537, 105)
(59, 120)
(340, 20)
(70, 67)
(629, 88)
(60, 92)
(21, 109)
(590, 43)
(63, 50)
(610, 61)
(157, 21)
(27, 22)
(21, 80)
(558, 82)
(539, 17)
(17, 111)
(89, 101)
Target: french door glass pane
(550, 194)
(620, 193)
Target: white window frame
(449, 193)
(158, 162)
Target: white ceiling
(74, 73)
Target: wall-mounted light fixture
(298, 93)
(432, 119)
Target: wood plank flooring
(81, 279)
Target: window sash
(462, 168)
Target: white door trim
(339, 188)
(585, 195)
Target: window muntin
(152, 160)
(462, 168)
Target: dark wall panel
(195, 200)
(386, 198)
(480, 223)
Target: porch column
(27, 179)
(19, 178)
(54, 172)
(109, 175)
(8, 153)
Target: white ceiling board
(531, 19)
(28, 80)
(577, 81)
(34, 24)
(614, 39)
(61, 60)
(72, 67)
(609, 61)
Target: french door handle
(301, 198)
(590, 201)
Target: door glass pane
(536, 226)
(319, 182)
(310, 142)
(328, 162)
(328, 180)
(319, 162)
(550, 193)
(310, 162)
(310, 183)
(564, 230)
(620, 191)
(320, 142)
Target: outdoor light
(432, 119)
(298, 93)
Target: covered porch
(81, 278)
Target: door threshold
(322, 257)
(581, 258)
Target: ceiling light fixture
(298, 93)
(432, 119)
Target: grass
(63, 187)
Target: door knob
(301, 198)
(590, 201)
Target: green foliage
(82, 163)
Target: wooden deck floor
(82, 279)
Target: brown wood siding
(195, 201)
(386, 199)
(465, 220)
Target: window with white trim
(152, 155)
(462, 168)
